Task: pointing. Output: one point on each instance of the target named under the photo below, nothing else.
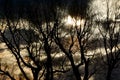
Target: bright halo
(71, 21)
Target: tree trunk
(49, 74)
(75, 69)
(86, 70)
(49, 68)
(109, 72)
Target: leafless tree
(44, 31)
(110, 32)
(34, 49)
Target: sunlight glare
(71, 21)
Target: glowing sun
(71, 21)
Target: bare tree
(110, 33)
(34, 49)
(44, 31)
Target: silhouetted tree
(110, 33)
(33, 48)
(44, 32)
